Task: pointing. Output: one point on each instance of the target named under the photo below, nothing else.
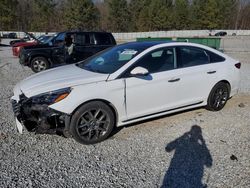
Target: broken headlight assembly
(51, 97)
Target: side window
(156, 61)
(157, 54)
(103, 39)
(81, 39)
(214, 58)
(191, 56)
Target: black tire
(92, 123)
(39, 64)
(218, 96)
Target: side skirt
(158, 114)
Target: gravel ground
(196, 148)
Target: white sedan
(125, 84)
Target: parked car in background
(65, 47)
(221, 33)
(17, 47)
(10, 35)
(27, 37)
(122, 85)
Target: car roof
(159, 44)
(144, 45)
(72, 32)
(153, 45)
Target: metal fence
(182, 33)
(133, 35)
(238, 43)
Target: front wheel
(218, 97)
(39, 64)
(92, 123)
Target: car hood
(58, 78)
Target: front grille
(16, 107)
(23, 98)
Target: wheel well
(112, 107)
(228, 84)
(222, 81)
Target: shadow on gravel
(118, 129)
(187, 165)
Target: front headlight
(51, 97)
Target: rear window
(191, 56)
(103, 39)
(214, 58)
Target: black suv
(55, 51)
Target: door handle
(174, 80)
(211, 72)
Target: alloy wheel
(220, 97)
(93, 124)
(39, 65)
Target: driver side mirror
(139, 71)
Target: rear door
(196, 74)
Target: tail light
(238, 65)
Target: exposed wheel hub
(93, 125)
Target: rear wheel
(92, 123)
(218, 97)
(39, 64)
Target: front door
(58, 55)
(58, 49)
(157, 91)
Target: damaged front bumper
(39, 118)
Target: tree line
(123, 15)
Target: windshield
(112, 59)
(45, 38)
